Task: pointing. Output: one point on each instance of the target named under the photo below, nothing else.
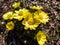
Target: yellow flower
(41, 38)
(16, 16)
(16, 5)
(8, 15)
(10, 25)
(30, 23)
(20, 14)
(36, 7)
(41, 16)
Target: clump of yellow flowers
(41, 37)
(31, 20)
(37, 18)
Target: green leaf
(58, 7)
(49, 38)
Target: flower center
(31, 21)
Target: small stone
(25, 41)
(2, 22)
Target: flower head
(41, 38)
(16, 5)
(10, 25)
(30, 22)
(8, 15)
(41, 16)
(20, 14)
(36, 7)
